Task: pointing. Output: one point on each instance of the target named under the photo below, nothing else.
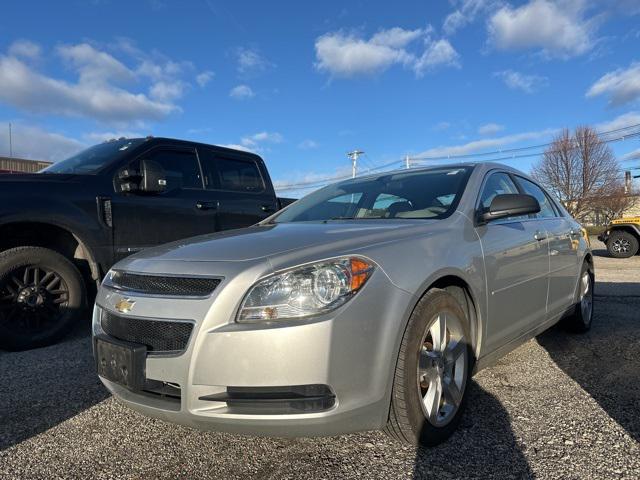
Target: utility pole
(10, 142)
(354, 161)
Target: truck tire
(42, 295)
(621, 244)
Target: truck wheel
(432, 372)
(622, 244)
(42, 294)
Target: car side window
(180, 166)
(546, 207)
(498, 183)
(231, 174)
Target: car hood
(271, 240)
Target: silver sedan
(367, 304)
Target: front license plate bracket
(121, 362)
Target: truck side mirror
(154, 178)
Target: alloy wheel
(586, 296)
(621, 245)
(32, 298)
(442, 368)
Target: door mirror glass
(154, 178)
(510, 205)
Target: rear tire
(42, 295)
(432, 373)
(582, 316)
(621, 244)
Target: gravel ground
(560, 406)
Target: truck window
(181, 167)
(231, 174)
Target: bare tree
(614, 205)
(577, 169)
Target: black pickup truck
(63, 228)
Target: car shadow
(602, 361)
(46, 386)
(483, 446)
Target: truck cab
(64, 227)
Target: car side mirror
(154, 177)
(509, 205)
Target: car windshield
(94, 158)
(420, 194)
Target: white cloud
(347, 55)
(167, 91)
(621, 121)
(465, 13)
(520, 81)
(396, 37)
(204, 77)
(622, 85)
(261, 137)
(308, 144)
(236, 146)
(490, 129)
(557, 28)
(437, 54)
(93, 65)
(485, 144)
(633, 155)
(25, 49)
(102, 90)
(33, 142)
(241, 92)
(250, 61)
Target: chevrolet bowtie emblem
(125, 305)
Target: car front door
(517, 267)
(243, 194)
(564, 261)
(184, 209)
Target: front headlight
(306, 290)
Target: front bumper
(341, 363)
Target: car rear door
(243, 190)
(517, 267)
(183, 210)
(563, 238)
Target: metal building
(16, 165)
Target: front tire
(42, 295)
(432, 372)
(621, 244)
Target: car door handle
(539, 236)
(206, 205)
(267, 208)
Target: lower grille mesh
(158, 335)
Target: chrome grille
(160, 336)
(163, 285)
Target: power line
(408, 160)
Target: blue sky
(301, 83)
